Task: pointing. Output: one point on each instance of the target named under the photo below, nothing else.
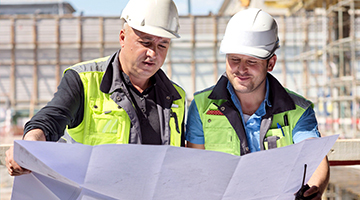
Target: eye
(235, 60)
(145, 43)
(252, 62)
(162, 46)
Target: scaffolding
(317, 57)
(35, 50)
(324, 38)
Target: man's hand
(319, 180)
(313, 190)
(13, 168)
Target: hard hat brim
(256, 52)
(157, 31)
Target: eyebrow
(165, 41)
(150, 38)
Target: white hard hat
(155, 17)
(251, 32)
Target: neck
(138, 82)
(250, 102)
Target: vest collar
(278, 96)
(219, 90)
(111, 80)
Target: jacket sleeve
(65, 109)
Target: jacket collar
(112, 79)
(278, 96)
(219, 90)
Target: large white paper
(113, 171)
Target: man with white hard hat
(122, 98)
(248, 110)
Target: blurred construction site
(319, 58)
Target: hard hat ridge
(251, 32)
(155, 17)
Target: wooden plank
(345, 152)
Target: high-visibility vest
(104, 121)
(220, 134)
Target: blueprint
(147, 172)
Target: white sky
(114, 7)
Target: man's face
(144, 54)
(247, 74)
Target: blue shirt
(305, 128)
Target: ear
(122, 38)
(271, 63)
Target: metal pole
(216, 73)
(193, 64)
(80, 37)
(34, 98)
(102, 44)
(189, 7)
(12, 95)
(283, 54)
(169, 64)
(57, 37)
(353, 70)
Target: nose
(242, 67)
(151, 52)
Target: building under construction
(319, 57)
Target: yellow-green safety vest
(104, 121)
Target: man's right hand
(13, 168)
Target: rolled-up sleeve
(306, 127)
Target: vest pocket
(105, 124)
(219, 135)
(108, 124)
(281, 139)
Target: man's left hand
(311, 191)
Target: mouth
(148, 63)
(242, 78)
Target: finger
(13, 168)
(16, 172)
